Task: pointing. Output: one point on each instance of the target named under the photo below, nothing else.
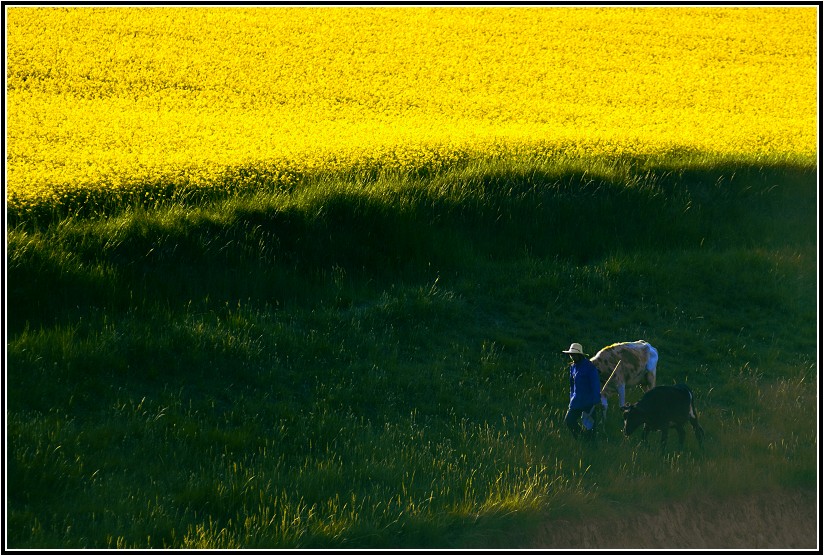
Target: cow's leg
(605, 404)
(651, 366)
(622, 390)
(645, 433)
(650, 380)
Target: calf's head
(634, 417)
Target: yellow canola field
(112, 97)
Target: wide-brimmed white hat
(575, 348)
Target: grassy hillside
(371, 358)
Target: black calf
(661, 408)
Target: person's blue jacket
(584, 385)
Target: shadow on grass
(280, 248)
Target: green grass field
(371, 359)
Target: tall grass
(371, 359)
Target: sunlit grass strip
(107, 99)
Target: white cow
(638, 361)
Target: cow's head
(634, 417)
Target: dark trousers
(573, 418)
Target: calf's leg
(699, 431)
(679, 428)
(664, 434)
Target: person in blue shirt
(584, 392)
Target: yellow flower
(117, 97)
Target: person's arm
(571, 385)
